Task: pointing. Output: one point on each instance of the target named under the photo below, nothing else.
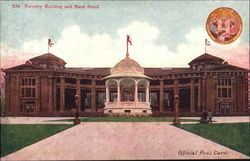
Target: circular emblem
(224, 25)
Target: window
(100, 82)
(29, 107)
(225, 107)
(28, 87)
(28, 92)
(85, 99)
(168, 82)
(100, 99)
(154, 82)
(184, 81)
(70, 80)
(56, 66)
(28, 82)
(85, 81)
(141, 96)
(44, 65)
(154, 98)
(113, 96)
(224, 88)
(127, 96)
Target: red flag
(129, 39)
(50, 43)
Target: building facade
(43, 86)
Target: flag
(207, 42)
(50, 43)
(129, 39)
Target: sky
(163, 33)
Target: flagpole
(205, 46)
(127, 55)
(127, 48)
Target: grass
(234, 135)
(18, 136)
(126, 119)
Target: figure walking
(210, 116)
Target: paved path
(155, 140)
(229, 119)
(44, 120)
(33, 120)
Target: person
(210, 116)
(204, 117)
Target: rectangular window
(224, 88)
(28, 82)
(100, 99)
(224, 92)
(113, 96)
(154, 98)
(141, 96)
(28, 92)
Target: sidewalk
(119, 140)
(44, 120)
(216, 120)
(34, 120)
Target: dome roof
(127, 68)
(127, 65)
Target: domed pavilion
(127, 89)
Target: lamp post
(77, 120)
(176, 110)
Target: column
(118, 92)
(38, 94)
(7, 94)
(244, 98)
(161, 95)
(107, 93)
(215, 93)
(234, 94)
(246, 92)
(176, 101)
(12, 94)
(147, 92)
(203, 95)
(199, 95)
(54, 94)
(17, 100)
(50, 86)
(78, 92)
(192, 97)
(93, 95)
(136, 92)
(62, 93)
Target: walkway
(108, 140)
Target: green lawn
(126, 119)
(18, 136)
(234, 135)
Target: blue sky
(170, 22)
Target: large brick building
(43, 86)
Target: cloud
(81, 49)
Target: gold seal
(224, 25)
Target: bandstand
(127, 89)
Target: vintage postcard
(112, 80)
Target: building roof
(206, 58)
(91, 71)
(48, 56)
